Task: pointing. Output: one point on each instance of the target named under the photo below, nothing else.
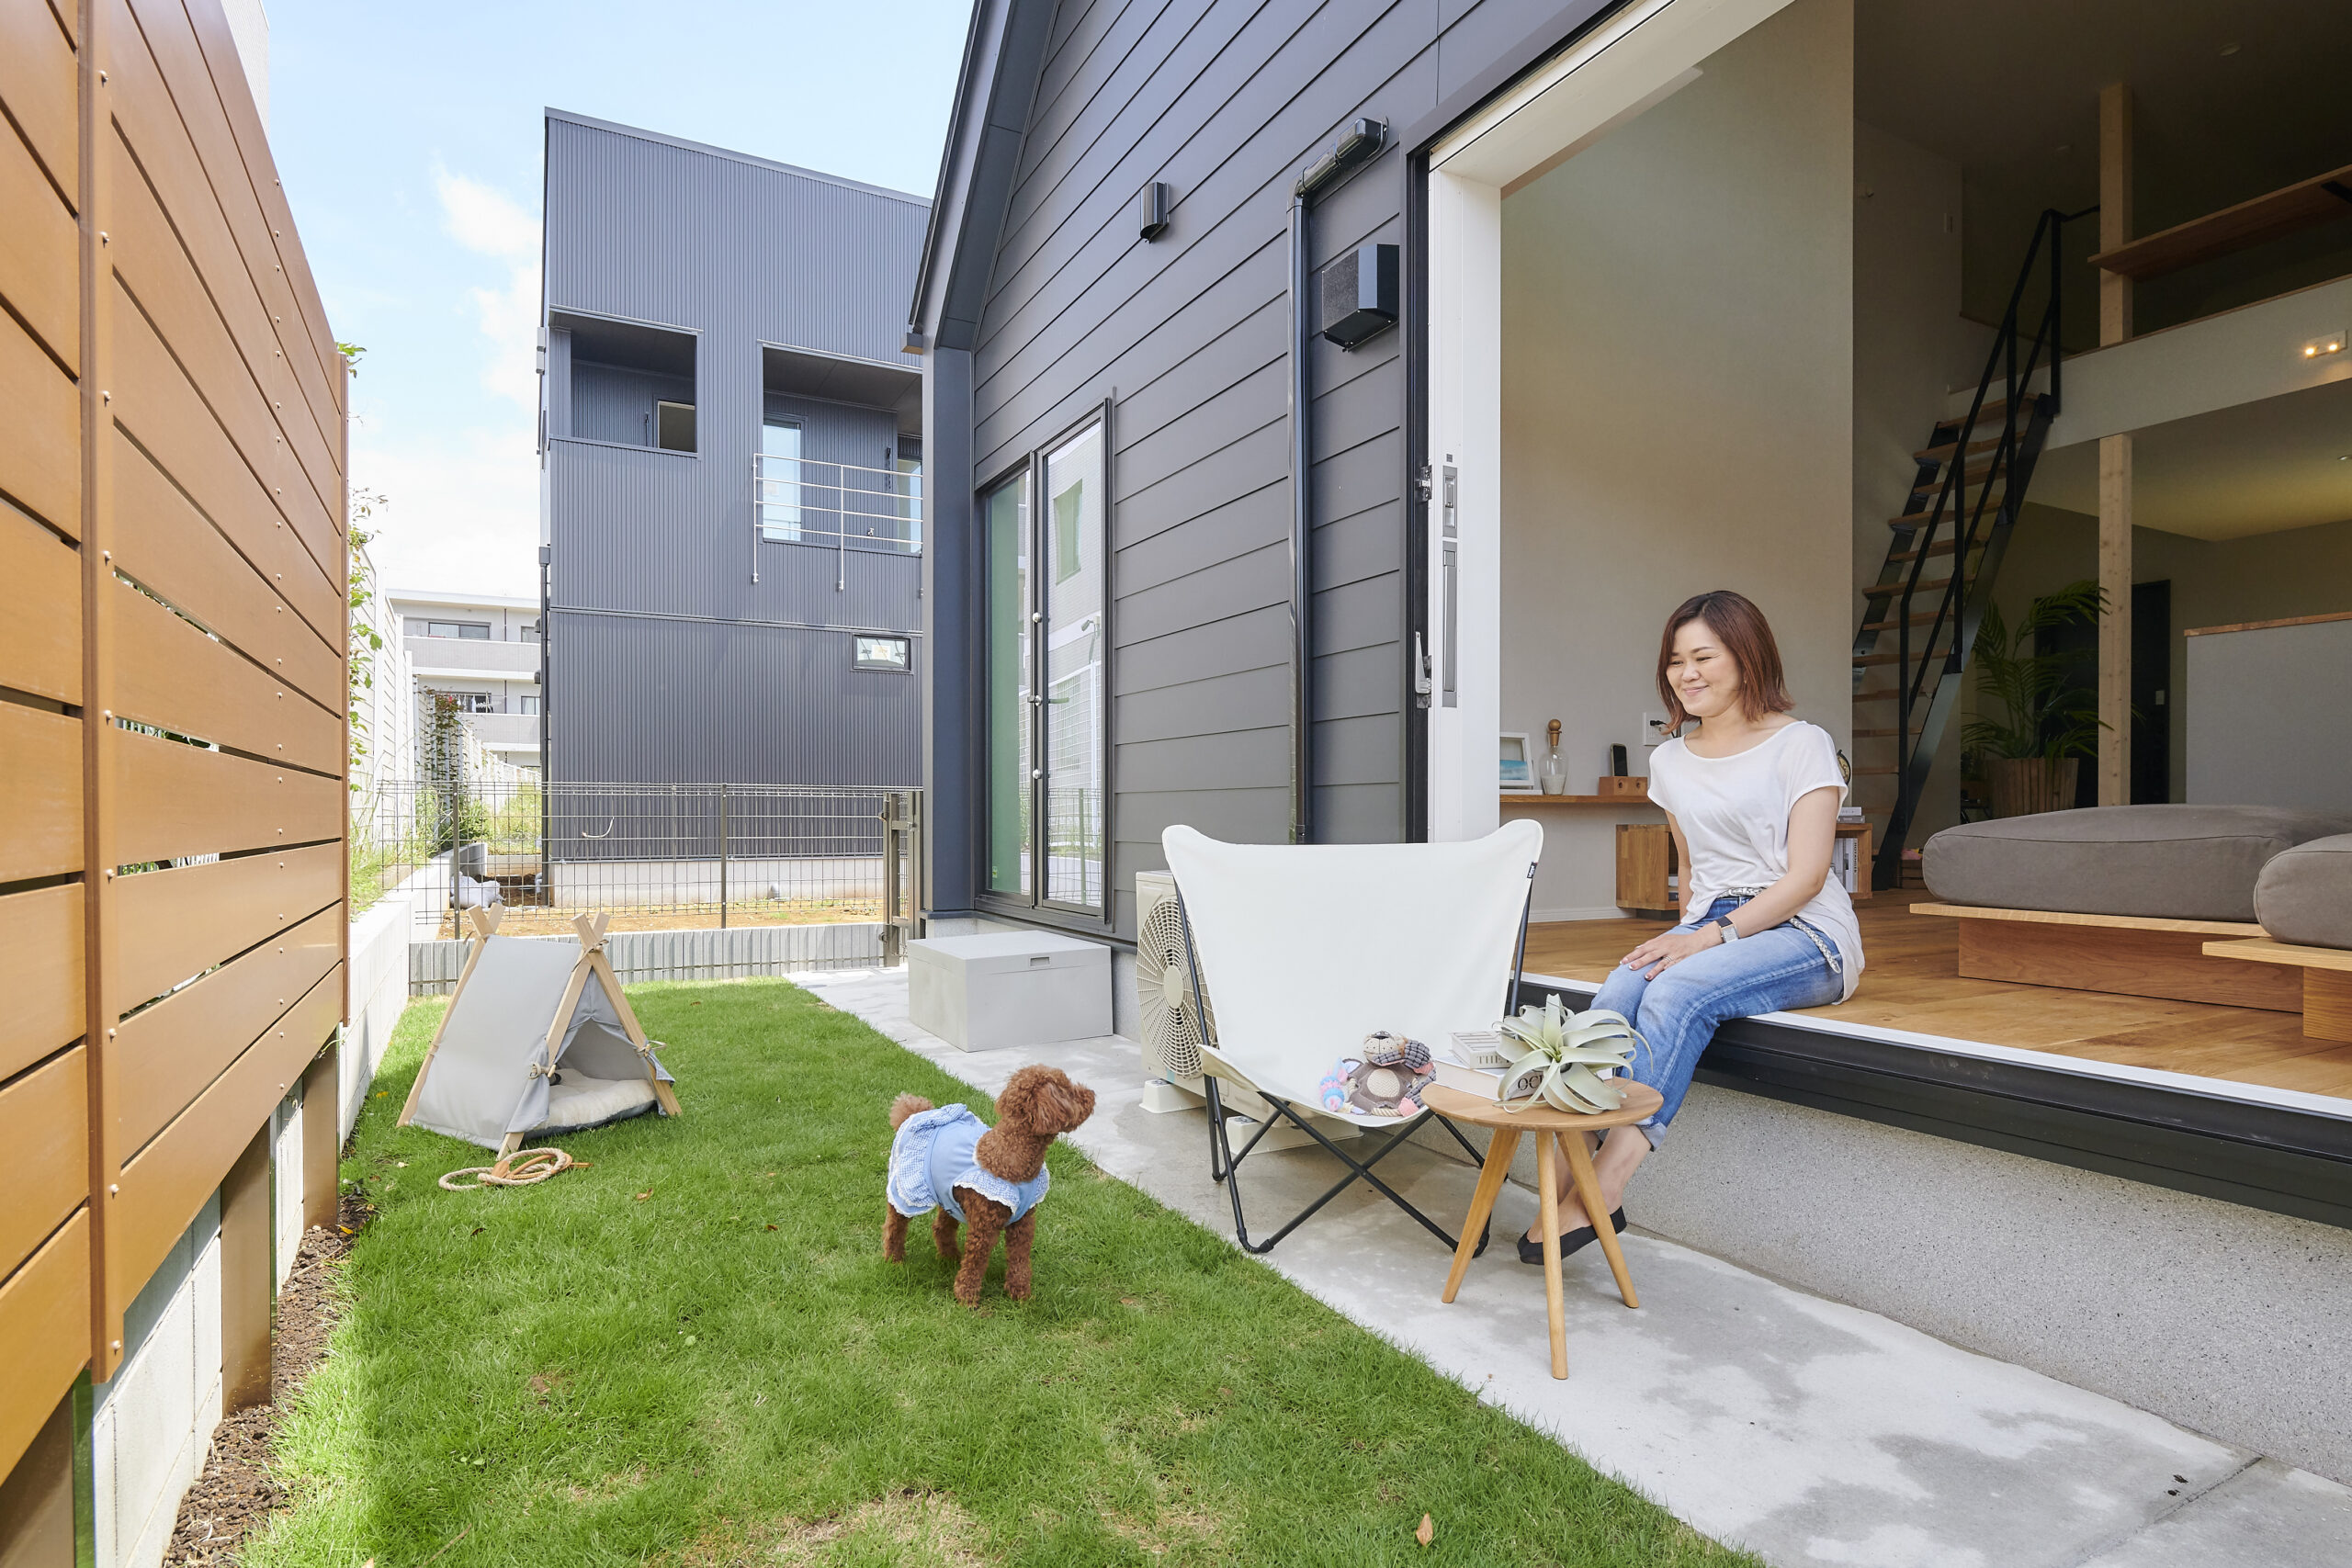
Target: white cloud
(461, 477)
(489, 224)
(462, 506)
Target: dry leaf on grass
(1427, 1533)
(644, 1195)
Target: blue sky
(409, 137)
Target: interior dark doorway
(2151, 773)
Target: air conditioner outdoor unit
(1171, 1030)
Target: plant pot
(2021, 786)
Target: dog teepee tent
(539, 1039)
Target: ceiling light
(2326, 343)
(2228, 49)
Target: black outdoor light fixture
(1359, 294)
(1151, 209)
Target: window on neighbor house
(472, 631)
(528, 631)
(629, 383)
(472, 702)
(779, 480)
(527, 702)
(1048, 699)
(880, 653)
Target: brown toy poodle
(990, 1179)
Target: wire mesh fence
(666, 857)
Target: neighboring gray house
(732, 468)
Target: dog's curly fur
(1037, 1106)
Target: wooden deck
(1911, 983)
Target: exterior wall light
(2327, 342)
(1151, 209)
(1359, 294)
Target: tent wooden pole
(482, 930)
(664, 1093)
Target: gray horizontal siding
(1226, 100)
(642, 701)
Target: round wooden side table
(1553, 1141)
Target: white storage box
(1009, 988)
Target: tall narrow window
(1010, 712)
(1075, 655)
(779, 480)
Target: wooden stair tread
(1885, 590)
(1997, 408)
(1926, 618)
(2322, 199)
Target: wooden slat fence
(173, 738)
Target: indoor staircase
(1943, 553)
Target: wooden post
(248, 1282)
(2115, 459)
(322, 1136)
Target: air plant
(1564, 1054)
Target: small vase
(1554, 780)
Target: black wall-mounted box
(1359, 294)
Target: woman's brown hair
(1741, 631)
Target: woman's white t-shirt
(1733, 812)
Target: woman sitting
(1751, 797)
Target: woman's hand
(1668, 949)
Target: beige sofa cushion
(2305, 893)
(2183, 863)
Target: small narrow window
(880, 653)
(527, 702)
(675, 426)
(779, 480)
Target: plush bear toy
(1386, 1080)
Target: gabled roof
(1003, 53)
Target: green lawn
(693, 1352)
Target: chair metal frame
(1224, 1163)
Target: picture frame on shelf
(1518, 770)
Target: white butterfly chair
(1309, 948)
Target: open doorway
(1716, 299)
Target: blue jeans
(1676, 1014)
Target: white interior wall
(1678, 395)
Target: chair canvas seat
(1307, 949)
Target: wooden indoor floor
(1911, 981)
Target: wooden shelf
(1510, 801)
(2320, 199)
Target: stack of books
(1474, 1065)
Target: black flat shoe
(1583, 1235)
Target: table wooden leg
(1554, 1302)
(1589, 1192)
(1482, 1203)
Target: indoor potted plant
(2046, 725)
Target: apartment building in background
(733, 469)
(483, 652)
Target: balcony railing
(459, 657)
(803, 501)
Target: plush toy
(1386, 1080)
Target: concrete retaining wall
(377, 988)
(738, 952)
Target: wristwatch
(1731, 932)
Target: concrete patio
(1806, 1430)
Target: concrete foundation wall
(2227, 1320)
(378, 990)
(152, 1423)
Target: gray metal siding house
(731, 467)
(1039, 302)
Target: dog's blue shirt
(933, 1154)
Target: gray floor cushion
(577, 1103)
(2305, 893)
(2183, 863)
